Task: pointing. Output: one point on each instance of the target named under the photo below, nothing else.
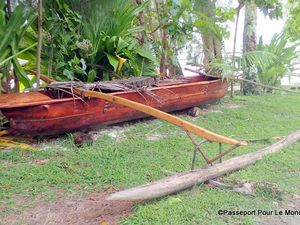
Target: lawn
(144, 151)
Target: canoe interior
(38, 113)
(44, 97)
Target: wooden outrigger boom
(199, 131)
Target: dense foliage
(92, 45)
(112, 39)
(13, 41)
(293, 21)
(284, 54)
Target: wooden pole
(233, 51)
(267, 86)
(211, 136)
(42, 77)
(238, 9)
(245, 80)
(182, 181)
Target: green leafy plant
(228, 67)
(13, 28)
(284, 52)
(61, 31)
(293, 21)
(85, 41)
(110, 29)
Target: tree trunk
(234, 48)
(17, 83)
(174, 67)
(7, 84)
(39, 47)
(141, 19)
(9, 7)
(163, 40)
(249, 44)
(182, 181)
(212, 45)
(150, 23)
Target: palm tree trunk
(249, 44)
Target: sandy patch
(93, 210)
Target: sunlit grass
(137, 159)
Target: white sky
(265, 27)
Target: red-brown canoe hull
(51, 117)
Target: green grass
(136, 160)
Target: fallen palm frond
(3, 132)
(7, 143)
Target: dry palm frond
(7, 143)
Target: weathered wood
(267, 86)
(99, 86)
(246, 188)
(244, 80)
(116, 85)
(181, 181)
(223, 154)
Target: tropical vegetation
(14, 29)
(153, 150)
(113, 39)
(284, 53)
(105, 40)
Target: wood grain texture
(38, 113)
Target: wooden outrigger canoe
(38, 113)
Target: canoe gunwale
(56, 116)
(59, 100)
